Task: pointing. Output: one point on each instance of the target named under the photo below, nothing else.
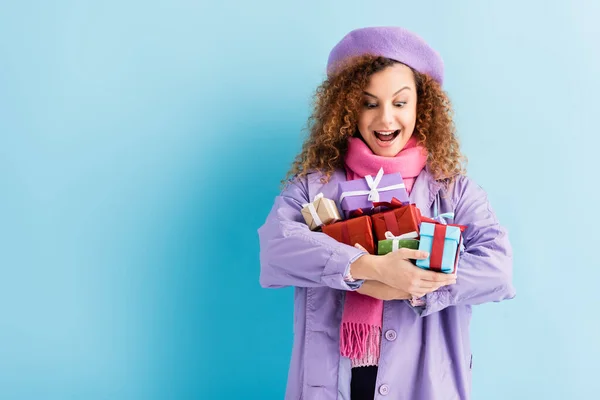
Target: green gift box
(393, 243)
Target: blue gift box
(441, 259)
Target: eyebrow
(373, 96)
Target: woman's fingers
(424, 288)
(419, 280)
(431, 280)
(420, 286)
(432, 276)
(411, 254)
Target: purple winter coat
(425, 351)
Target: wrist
(365, 267)
(417, 301)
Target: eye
(370, 105)
(400, 104)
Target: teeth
(384, 133)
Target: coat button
(384, 389)
(390, 335)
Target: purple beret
(392, 42)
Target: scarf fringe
(360, 342)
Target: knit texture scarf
(363, 315)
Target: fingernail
(424, 254)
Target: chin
(385, 152)
(388, 152)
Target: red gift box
(399, 220)
(357, 230)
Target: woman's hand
(397, 271)
(381, 291)
(394, 269)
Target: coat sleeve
(484, 272)
(293, 255)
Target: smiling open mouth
(386, 136)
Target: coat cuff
(338, 265)
(431, 302)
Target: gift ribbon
(313, 210)
(356, 213)
(373, 192)
(330, 205)
(389, 218)
(347, 238)
(392, 204)
(436, 222)
(396, 239)
(437, 247)
(391, 223)
(442, 217)
(346, 235)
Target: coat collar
(425, 189)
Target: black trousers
(362, 385)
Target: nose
(386, 116)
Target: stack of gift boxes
(378, 216)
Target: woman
(382, 105)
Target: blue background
(142, 144)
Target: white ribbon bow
(396, 239)
(373, 192)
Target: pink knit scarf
(362, 315)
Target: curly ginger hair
(336, 107)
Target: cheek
(409, 118)
(362, 119)
(363, 124)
